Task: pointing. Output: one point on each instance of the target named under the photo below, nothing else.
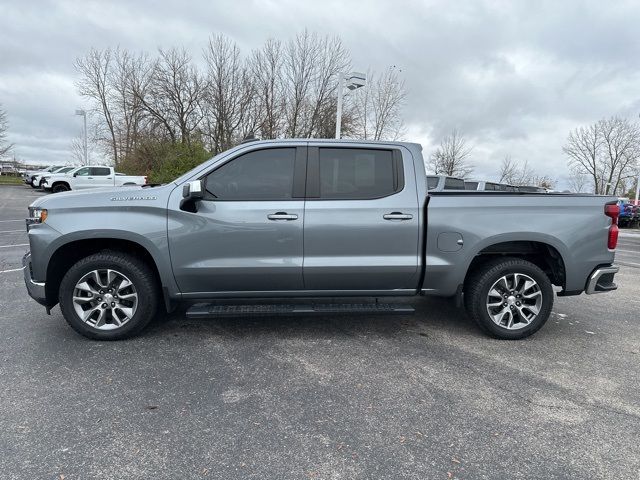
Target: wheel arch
(68, 253)
(547, 255)
(60, 182)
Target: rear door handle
(397, 216)
(282, 216)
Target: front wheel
(109, 296)
(60, 187)
(509, 298)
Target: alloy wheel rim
(514, 301)
(105, 299)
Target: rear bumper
(601, 280)
(36, 290)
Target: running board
(207, 310)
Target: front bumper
(601, 280)
(36, 289)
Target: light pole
(83, 113)
(637, 189)
(352, 81)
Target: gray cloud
(514, 77)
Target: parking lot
(425, 396)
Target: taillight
(612, 211)
(145, 179)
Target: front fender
(156, 245)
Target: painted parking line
(14, 231)
(17, 220)
(12, 270)
(16, 245)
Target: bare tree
(311, 70)
(266, 70)
(126, 78)
(582, 148)
(77, 150)
(282, 89)
(5, 146)
(94, 84)
(76, 146)
(377, 107)
(452, 156)
(509, 170)
(577, 180)
(172, 94)
(544, 181)
(228, 95)
(608, 151)
(513, 172)
(621, 151)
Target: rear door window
(100, 171)
(357, 173)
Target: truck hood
(105, 197)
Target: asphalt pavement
(425, 396)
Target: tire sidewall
(59, 189)
(132, 269)
(500, 270)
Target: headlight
(37, 215)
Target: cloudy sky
(514, 77)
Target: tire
(60, 187)
(137, 302)
(516, 312)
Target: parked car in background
(531, 189)
(438, 183)
(485, 186)
(481, 185)
(29, 175)
(82, 178)
(37, 179)
(628, 212)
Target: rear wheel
(60, 187)
(109, 296)
(509, 298)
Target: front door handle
(282, 216)
(397, 216)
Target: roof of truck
(333, 140)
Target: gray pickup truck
(313, 218)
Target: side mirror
(191, 193)
(75, 174)
(193, 190)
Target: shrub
(163, 162)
